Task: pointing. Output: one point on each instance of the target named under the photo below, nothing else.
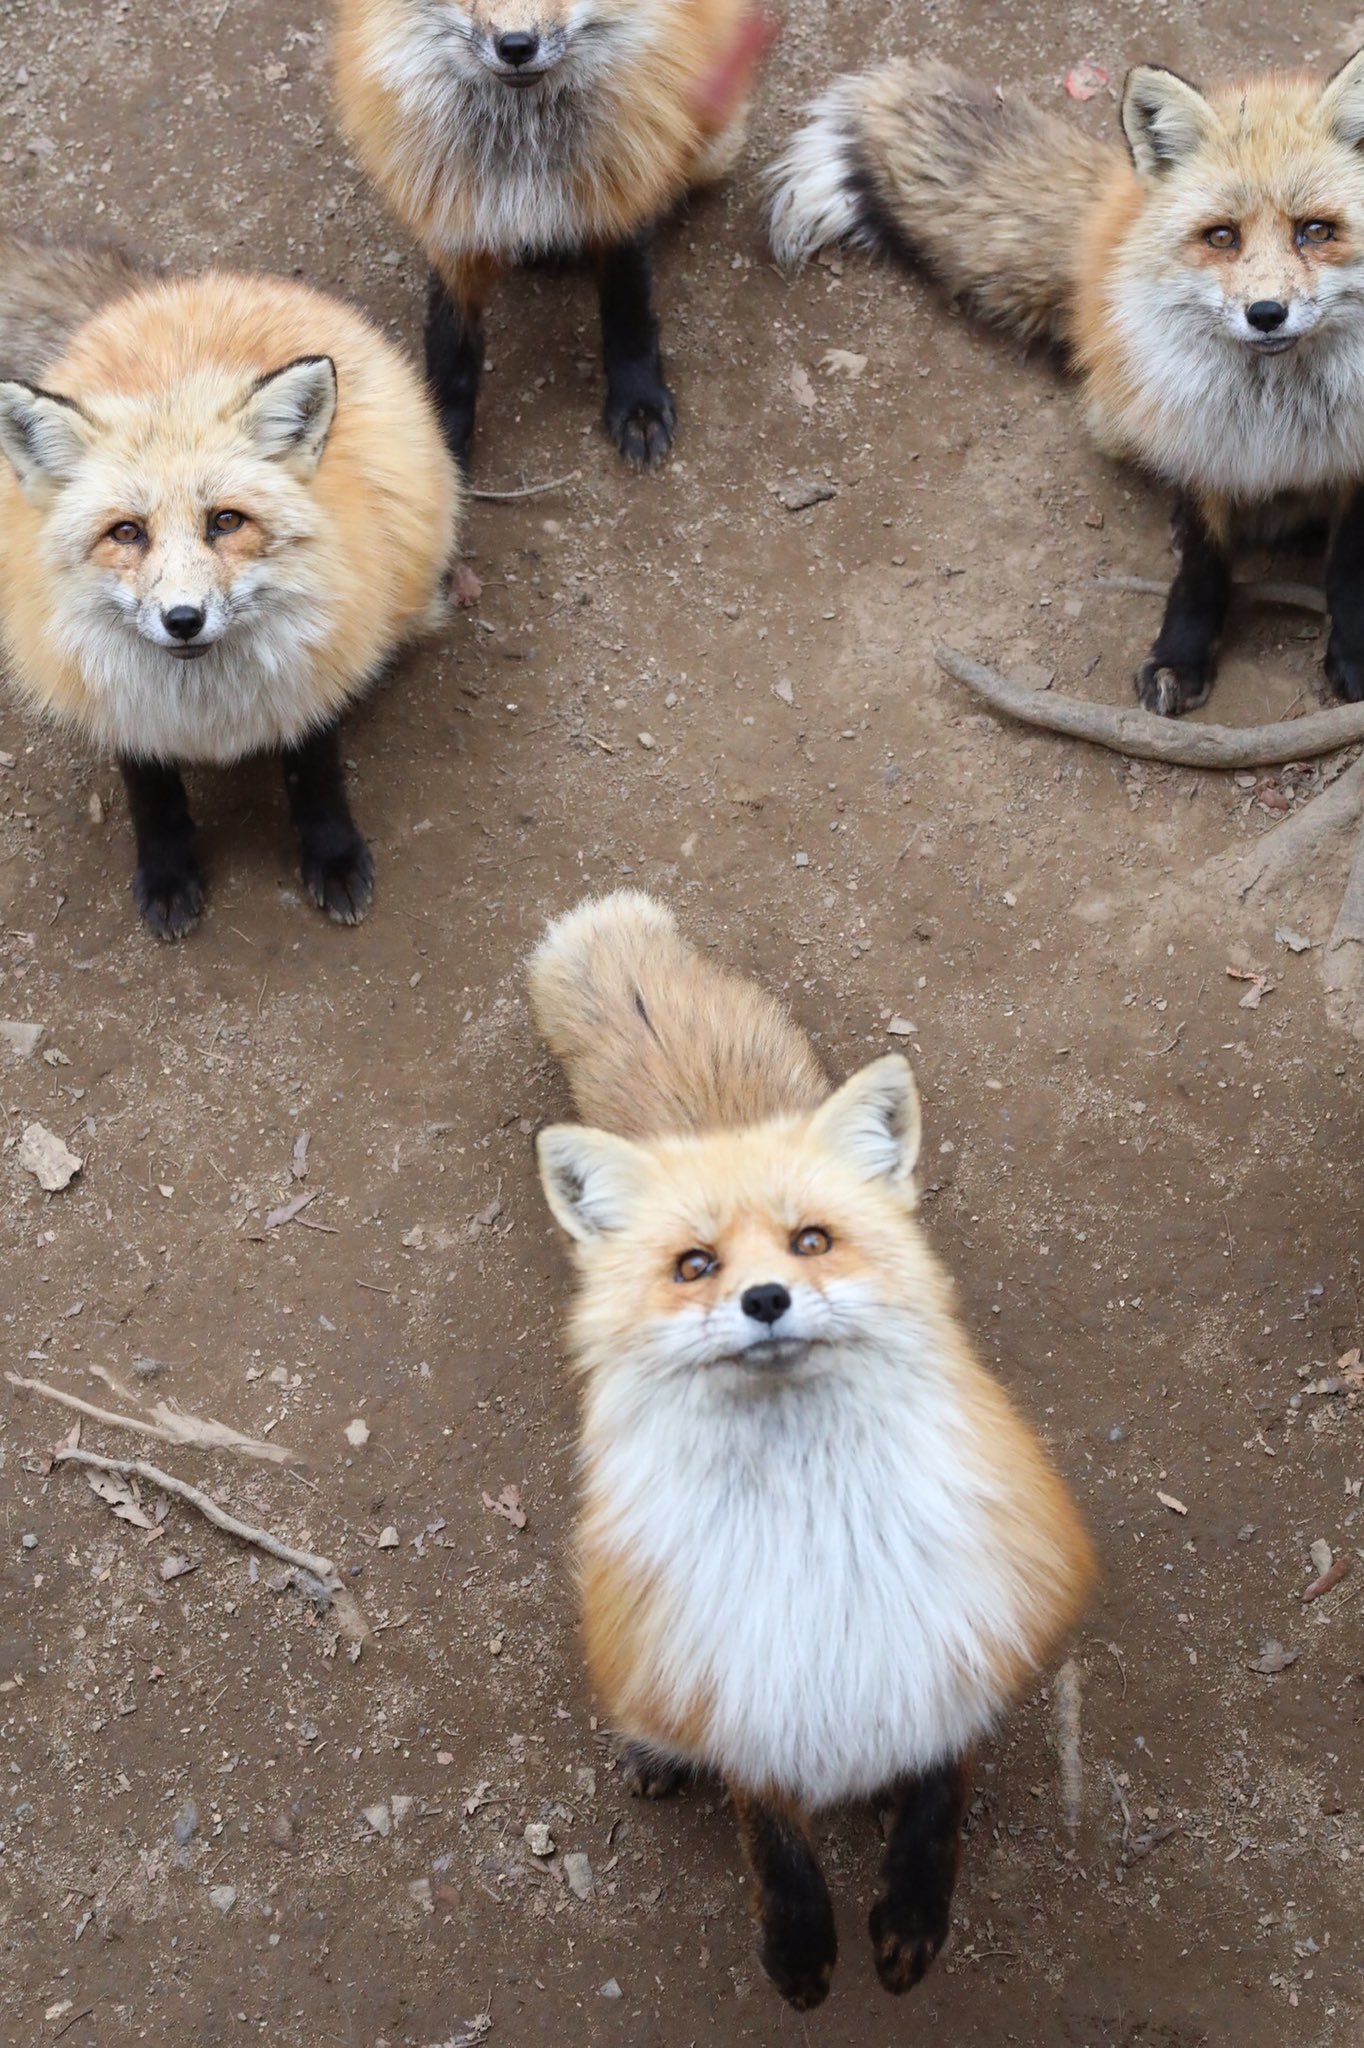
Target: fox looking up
(1209, 288)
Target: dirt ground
(1148, 1191)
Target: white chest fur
(830, 1579)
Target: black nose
(517, 47)
(186, 621)
(765, 1304)
(1266, 315)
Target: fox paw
(338, 873)
(641, 419)
(1345, 675)
(170, 897)
(649, 1773)
(902, 1954)
(1169, 691)
(800, 1969)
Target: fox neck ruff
(819, 1583)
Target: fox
(504, 131)
(1207, 285)
(225, 504)
(819, 1550)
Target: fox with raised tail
(1209, 288)
(820, 1552)
(500, 131)
(225, 503)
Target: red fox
(820, 1552)
(226, 503)
(1210, 292)
(501, 130)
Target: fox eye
(1222, 237)
(810, 1242)
(696, 1265)
(127, 532)
(1317, 231)
(227, 522)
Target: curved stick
(1149, 738)
(1305, 596)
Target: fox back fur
(587, 145)
(1147, 266)
(254, 397)
(820, 1550)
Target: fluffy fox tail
(48, 290)
(654, 1038)
(918, 161)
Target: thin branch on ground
(1302, 596)
(168, 1425)
(553, 483)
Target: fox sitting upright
(820, 1552)
(226, 504)
(1211, 293)
(504, 130)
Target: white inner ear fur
(873, 1121)
(289, 414)
(1164, 119)
(592, 1180)
(1342, 101)
(45, 439)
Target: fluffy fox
(1210, 291)
(820, 1552)
(226, 503)
(502, 130)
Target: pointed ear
(1342, 101)
(873, 1121)
(1164, 119)
(44, 437)
(592, 1179)
(289, 414)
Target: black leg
(168, 886)
(909, 1922)
(650, 1773)
(338, 866)
(640, 414)
(1345, 602)
(799, 1943)
(454, 364)
(1178, 673)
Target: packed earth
(307, 1205)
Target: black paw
(641, 419)
(798, 1955)
(338, 872)
(1344, 674)
(1169, 690)
(903, 1953)
(649, 1774)
(170, 896)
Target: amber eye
(810, 1242)
(1222, 238)
(1317, 231)
(227, 522)
(696, 1264)
(127, 532)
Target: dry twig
(168, 1425)
(1303, 596)
(1065, 1701)
(1281, 854)
(553, 483)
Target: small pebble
(578, 1874)
(30, 1542)
(538, 1838)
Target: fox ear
(873, 1120)
(289, 414)
(1164, 118)
(592, 1180)
(44, 438)
(1342, 101)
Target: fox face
(549, 44)
(1251, 233)
(752, 1254)
(170, 519)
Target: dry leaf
(841, 362)
(1260, 986)
(298, 1162)
(466, 586)
(176, 1567)
(798, 496)
(507, 1504)
(287, 1211)
(1296, 942)
(118, 1495)
(1176, 1507)
(1083, 81)
(802, 389)
(1273, 1658)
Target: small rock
(185, 1822)
(900, 1027)
(357, 1433)
(610, 1989)
(95, 808)
(538, 1838)
(52, 1164)
(1320, 1554)
(802, 860)
(174, 1567)
(388, 1538)
(1296, 942)
(223, 1897)
(647, 741)
(379, 1818)
(586, 1781)
(21, 1039)
(419, 1891)
(1274, 1658)
(578, 1875)
(799, 496)
(29, 1541)
(282, 1831)
(400, 1806)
